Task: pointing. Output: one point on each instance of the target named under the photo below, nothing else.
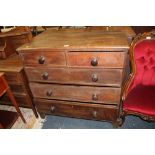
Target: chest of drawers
(15, 75)
(77, 73)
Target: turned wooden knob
(94, 62)
(94, 78)
(94, 97)
(45, 76)
(49, 93)
(94, 114)
(52, 108)
(41, 60)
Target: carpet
(28, 115)
(58, 122)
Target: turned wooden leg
(10, 95)
(33, 108)
(42, 115)
(35, 112)
(118, 122)
(115, 124)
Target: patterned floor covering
(28, 115)
(58, 122)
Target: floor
(28, 115)
(57, 122)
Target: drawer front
(22, 100)
(17, 89)
(13, 78)
(98, 77)
(44, 59)
(96, 59)
(78, 110)
(76, 93)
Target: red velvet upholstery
(141, 93)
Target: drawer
(96, 59)
(98, 77)
(22, 100)
(14, 78)
(103, 95)
(78, 110)
(44, 58)
(17, 89)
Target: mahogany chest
(77, 73)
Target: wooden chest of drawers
(77, 73)
(15, 75)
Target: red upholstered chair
(139, 91)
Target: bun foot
(42, 115)
(118, 123)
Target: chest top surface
(11, 64)
(77, 39)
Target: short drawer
(78, 110)
(98, 77)
(76, 93)
(44, 58)
(96, 59)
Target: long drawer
(44, 58)
(78, 110)
(103, 95)
(98, 77)
(96, 59)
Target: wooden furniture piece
(6, 48)
(39, 29)
(142, 29)
(128, 31)
(4, 88)
(12, 39)
(15, 75)
(139, 93)
(77, 72)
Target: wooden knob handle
(94, 78)
(94, 62)
(52, 108)
(94, 97)
(49, 93)
(94, 114)
(45, 76)
(41, 60)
